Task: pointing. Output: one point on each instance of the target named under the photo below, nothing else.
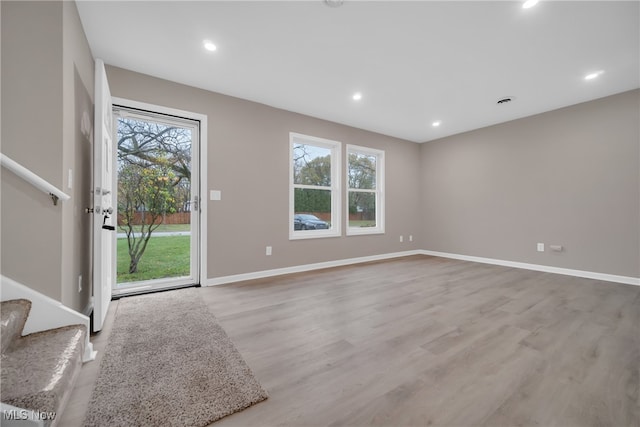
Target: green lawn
(164, 257)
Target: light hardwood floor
(428, 341)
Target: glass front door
(157, 199)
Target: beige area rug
(169, 363)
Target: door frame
(202, 188)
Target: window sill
(364, 231)
(303, 235)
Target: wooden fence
(174, 218)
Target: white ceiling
(413, 62)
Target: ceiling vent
(334, 3)
(505, 100)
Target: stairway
(40, 369)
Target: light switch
(215, 195)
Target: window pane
(311, 165)
(362, 209)
(312, 209)
(362, 171)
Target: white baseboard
(306, 267)
(338, 263)
(536, 267)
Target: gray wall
(568, 177)
(32, 136)
(77, 147)
(47, 74)
(248, 159)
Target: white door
(104, 220)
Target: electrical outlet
(540, 247)
(401, 238)
(268, 251)
(411, 237)
(80, 283)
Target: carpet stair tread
(13, 316)
(38, 370)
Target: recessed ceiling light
(592, 76)
(529, 3)
(209, 45)
(357, 96)
(436, 123)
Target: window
(365, 190)
(314, 195)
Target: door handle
(99, 210)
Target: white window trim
(379, 191)
(336, 168)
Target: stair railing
(33, 179)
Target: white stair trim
(46, 313)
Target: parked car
(308, 222)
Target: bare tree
(154, 166)
(140, 142)
(145, 195)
